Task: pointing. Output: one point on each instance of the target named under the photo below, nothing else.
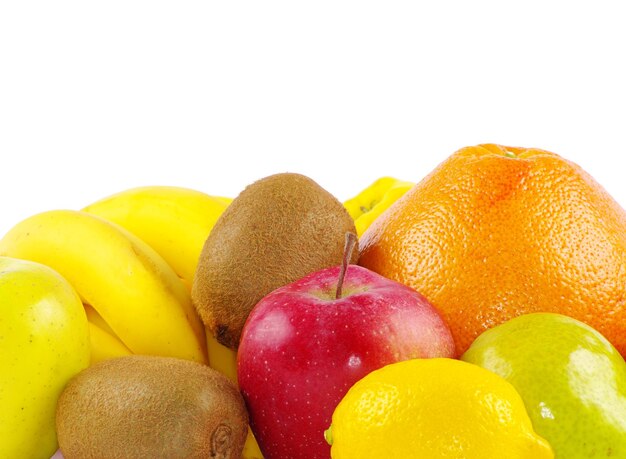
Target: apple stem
(347, 254)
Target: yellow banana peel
(104, 343)
(372, 201)
(134, 291)
(104, 346)
(174, 221)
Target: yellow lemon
(372, 201)
(433, 408)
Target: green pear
(572, 381)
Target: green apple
(44, 341)
(572, 381)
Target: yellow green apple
(44, 341)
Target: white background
(96, 97)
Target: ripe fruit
(496, 232)
(302, 348)
(143, 406)
(44, 341)
(367, 206)
(136, 293)
(174, 221)
(572, 381)
(433, 408)
(277, 230)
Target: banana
(372, 201)
(131, 287)
(251, 448)
(104, 345)
(222, 358)
(174, 221)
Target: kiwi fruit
(151, 407)
(278, 230)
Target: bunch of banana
(135, 301)
(131, 257)
(175, 222)
(372, 201)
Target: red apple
(302, 348)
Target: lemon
(433, 408)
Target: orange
(495, 232)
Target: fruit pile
(480, 313)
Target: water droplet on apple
(354, 361)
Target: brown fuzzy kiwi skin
(151, 407)
(278, 230)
